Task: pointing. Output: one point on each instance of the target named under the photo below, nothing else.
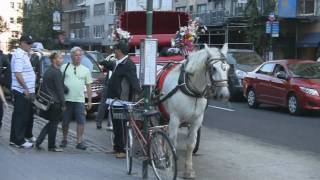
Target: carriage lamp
(309, 91)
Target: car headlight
(240, 74)
(309, 91)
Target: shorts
(74, 110)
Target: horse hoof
(189, 175)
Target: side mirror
(282, 75)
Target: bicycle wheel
(129, 150)
(162, 156)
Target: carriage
(180, 80)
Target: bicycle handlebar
(125, 104)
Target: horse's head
(218, 68)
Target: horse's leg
(173, 128)
(191, 142)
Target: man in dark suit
(124, 85)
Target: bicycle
(156, 147)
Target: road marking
(216, 107)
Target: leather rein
(186, 88)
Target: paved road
(223, 155)
(268, 123)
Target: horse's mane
(197, 59)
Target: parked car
(40, 61)
(241, 62)
(294, 84)
(97, 56)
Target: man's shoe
(99, 126)
(55, 149)
(38, 147)
(109, 128)
(81, 146)
(31, 140)
(26, 145)
(64, 143)
(120, 155)
(13, 144)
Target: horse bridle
(217, 83)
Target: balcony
(210, 17)
(79, 5)
(216, 18)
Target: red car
(294, 84)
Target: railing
(218, 17)
(210, 17)
(80, 5)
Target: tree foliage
(37, 20)
(256, 23)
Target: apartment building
(11, 12)
(299, 34)
(89, 23)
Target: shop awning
(309, 40)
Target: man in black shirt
(124, 85)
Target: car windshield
(85, 60)
(305, 70)
(250, 58)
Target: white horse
(187, 103)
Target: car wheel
(293, 105)
(252, 99)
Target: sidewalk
(221, 156)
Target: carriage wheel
(129, 150)
(196, 147)
(162, 156)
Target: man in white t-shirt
(23, 87)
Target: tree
(37, 20)
(3, 25)
(256, 23)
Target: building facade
(11, 12)
(89, 23)
(299, 33)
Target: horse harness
(183, 82)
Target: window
(111, 8)
(88, 12)
(77, 17)
(267, 69)
(181, 9)
(99, 9)
(12, 5)
(12, 20)
(201, 8)
(191, 8)
(83, 17)
(85, 32)
(306, 7)
(98, 31)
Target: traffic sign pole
(147, 88)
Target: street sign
(56, 18)
(268, 27)
(275, 29)
(148, 56)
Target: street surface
(237, 143)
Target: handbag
(43, 100)
(65, 88)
